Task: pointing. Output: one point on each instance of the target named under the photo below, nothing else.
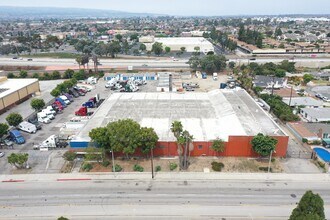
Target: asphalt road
(104, 199)
(147, 63)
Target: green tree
(119, 37)
(143, 47)
(213, 63)
(136, 52)
(183, 49)
(310, 206)
(218, 145)
(56, 75)
(307, 78)
(69, 156)
(14, 119)
(22, 74)
(148, 139)
(37, 104)
(94, 154)
(282, 46)
(157, 48)
(194, 63)
(62, 218)
(79, 60)
(3, 129)
(10, 75)
(55, 92)
(68, 74)
(176, 128)
(167, 49)
(263, 144)
(232, 65)
(18, 160)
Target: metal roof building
(207, 116)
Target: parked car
(2, 154)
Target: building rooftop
(303, 101)
(12, 85)
(205, 115)
(317, 112)
(183, 40)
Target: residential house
(268, 82)
(316, 114)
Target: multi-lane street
(161, 198)
(150, 63)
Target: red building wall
(237, 146)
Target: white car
(2, 154)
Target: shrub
(10, 75)
(316, 142)
(138, 168)
(158, 168)
(62, 218)
(217, 166)
(173, 166)
(265, 169)
(69, 155)
(273, 160)
(304, 140)
(321, 164)
(106, 163)
(87, 167)
(118, 168)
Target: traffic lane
(149, 192)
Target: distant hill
(8, 12)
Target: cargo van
(27, 127)
(16, 137)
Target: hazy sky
(189, 7)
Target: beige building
(15, 91)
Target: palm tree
(79, 60)
(176, 128)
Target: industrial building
(15, 91)
(231, 115)
(189, 43)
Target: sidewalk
(166, 176)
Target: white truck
(215, 76)
(91, 80)
(65, 99)
(27, 127)
(42, 117)
(50, 108)
(51, 142)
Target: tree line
(250, 36)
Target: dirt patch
(67, 167)
(197, 164)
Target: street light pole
(270, 160)
(113, 161)
(152, 163)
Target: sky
(189, 7)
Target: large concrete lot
(46, 161)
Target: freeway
(159, 198)
(162, 62)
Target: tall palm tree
(79, 60)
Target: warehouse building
(15, 91)
(175, 43)
(231, 115)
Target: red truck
(83, 111)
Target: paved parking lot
(49, 161)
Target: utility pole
(152, 163)
(290, 95)
(113, 161)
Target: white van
(65, 99)
(42, 117)
(27, 127)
